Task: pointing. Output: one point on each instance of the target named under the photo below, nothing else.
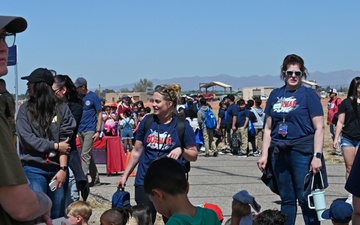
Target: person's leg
(142, 198)
(211, 141)
(206, 141)
(356, 213)
(244, 140)
(72, 193)
(299, 163)
(228, 133)
(259, 139)
(349, 154)
(285, 184)
(86, 150)
(58, 199)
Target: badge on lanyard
(283, 129)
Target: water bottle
(318, 196)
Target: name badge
(283, 129)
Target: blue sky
(122, 41)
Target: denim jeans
(72, 193)
(39, 180)
(290, 169)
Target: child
(270, 217)
(79, 213)
(140, 215)
(117, 216)
(126, 126)
(167, 187)
(340, 213)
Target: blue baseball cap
(340, 212)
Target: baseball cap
(340, 212)
(332, 90)
(125, 96)
(40, 75)
(216, 209)
(244, 197)
(80, 81)
(13, 24)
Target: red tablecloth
(108, 150)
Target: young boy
(340, 213)
(166, 185)
(79, 213)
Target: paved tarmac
(216, 180)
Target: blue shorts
(347, 142)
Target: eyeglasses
(161, 88)
(8, 38)
(57, 90)
(290, 73)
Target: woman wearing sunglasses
(293, 138)
(161, 139)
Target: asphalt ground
(216, 180)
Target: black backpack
(120, 198)
(180, 127)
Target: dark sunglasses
(163, 89)
(290, 73)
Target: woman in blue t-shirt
(293, 138)
(160, 139)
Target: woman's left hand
(175, 154)
(60, 177)
(315, 165)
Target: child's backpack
(251, 128)
(120, 198)
(210, 119)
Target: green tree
(143, 85)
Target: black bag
(120, 198)
(234, 143)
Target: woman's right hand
(64, 147)
(262, 163)
(336, 143)
(122, 181)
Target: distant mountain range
(335, 79)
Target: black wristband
(64, 168)
(182, 150)
(98, 131)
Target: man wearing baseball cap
(333, 107)
(18, 203)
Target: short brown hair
(79, 208)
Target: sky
(117, 42)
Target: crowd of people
(288, 136)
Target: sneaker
(242, 155)
(349, 199)
(202, 149)
(256, 154)
(229, 153)
(215, 154)
(251, 153)
(207, 155)
(221, 153)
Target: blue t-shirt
(158, 141)
(297, 108)
(221, 115)
(232, 111)
(89, 117)
(241, 117)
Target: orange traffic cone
(127, 160)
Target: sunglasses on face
(163, 89)
(290, 73)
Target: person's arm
(133, 161)
(266, 144)
(234, 119)
(246, 122)
(318, 124)
(339, 125)
(23, 204)
(60, 176)
(98, 125)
